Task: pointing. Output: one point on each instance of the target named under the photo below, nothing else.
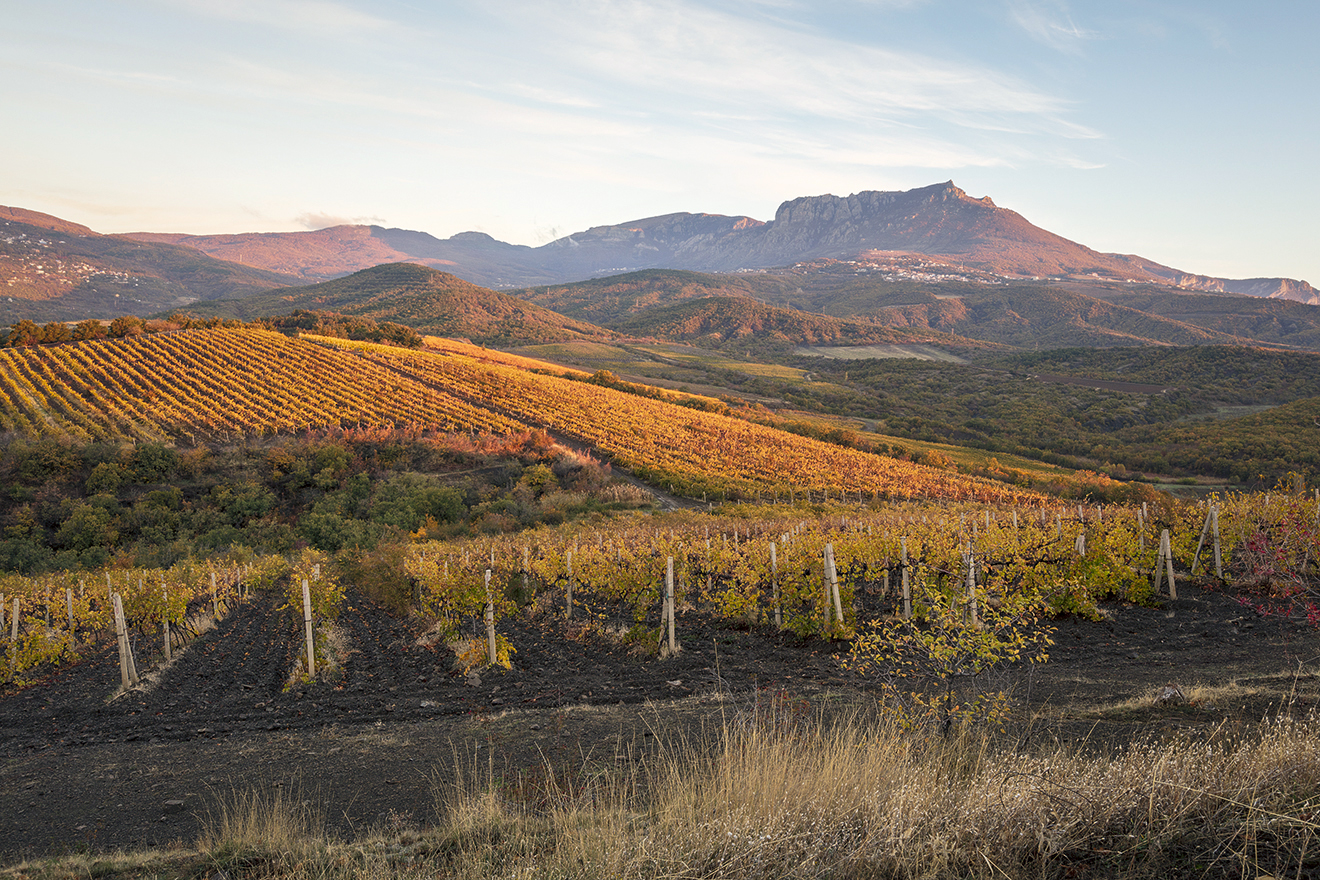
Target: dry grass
(779, 795)
(276, 820)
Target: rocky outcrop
(1268, 288)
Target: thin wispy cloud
(679, 65)
(1049, 22)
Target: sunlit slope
(695, 451)
(226, 384)
(214, 384)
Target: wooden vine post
(1219, 557)
(2, 612)
(526, 573)
(832, 584)
(907, 583)
(215, 599)
(13, 630)
(774, 584)
(568, 604)
(491, 649)
(1164, 564)
(68, 605)
(971, 587)
(1211, 527)
(127, 668)
(667, 614)
(307, 625)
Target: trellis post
(307, 625)
(568, 605)
(491, 650)
(907, 584)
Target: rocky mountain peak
(869, 205)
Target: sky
(1184, 131)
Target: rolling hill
(1030, 315)
(425, 299)
(742, 322)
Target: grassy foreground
(778, 796)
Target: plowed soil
(372, 744)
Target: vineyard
(228, 385)
(220, 384)
(690, 451)
(836, 576)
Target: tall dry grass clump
(274, 827)
(778, 795)
(851, 799)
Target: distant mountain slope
(1269, 288)
(614, 298)
(341, 250)
(1270, 321)
(52, 269)
(425, 299)
(315, 256)
(1028, 315)
(742, 321)
(940, 220)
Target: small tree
(90, 329)
(23, 332)
(127, 325)
(56, 331)
(921, 662)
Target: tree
(23, 332)
(90, 329)
(127, 325)
(56, 331)
(921, 662)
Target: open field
(862, 352)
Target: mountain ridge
(939, 220)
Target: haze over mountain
(940, 220)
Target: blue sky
(1182, 131)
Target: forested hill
(428, 300)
